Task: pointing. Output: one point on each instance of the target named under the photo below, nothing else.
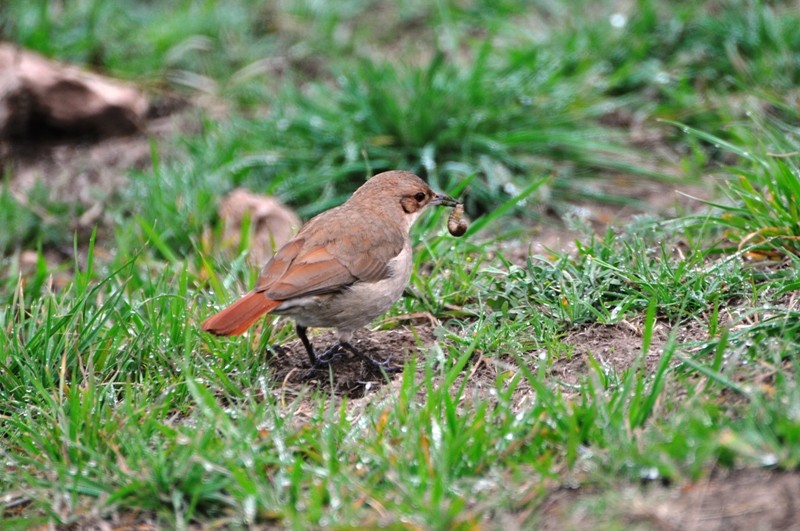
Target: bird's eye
(420, 196)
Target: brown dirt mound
(349, 375)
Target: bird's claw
(382, 366)
(324, 361)
(329, 356)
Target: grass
(113, 404)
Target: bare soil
(747, 499)
(617, 347)
(350, 375)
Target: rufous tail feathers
(239, 316)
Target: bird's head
(403, 191)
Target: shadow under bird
(344, 268)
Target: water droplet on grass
(618, 20)
(661, 78)
(769, 460)
(650, 473)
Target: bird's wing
(314, 270)
(373, 263)
(279, 264)
(315, 262)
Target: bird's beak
(444, 200)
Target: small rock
(40, 98)
(272, 223)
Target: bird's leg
(326, 358)
(384, 366)
(301, 333)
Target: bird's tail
(239, 316)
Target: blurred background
(304, 99)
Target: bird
(345, 267)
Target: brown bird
(344, 268)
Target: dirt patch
(559, 230)
(730, 500)
(364, 385)
(617, 347)
(742, 499)
(543, 239)
(82, 171)
(650, 197)
(79, 176)
(350, 375)
(79, 173)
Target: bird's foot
(324, 361)
(335, 353)
(329, 356)
(384, 366)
